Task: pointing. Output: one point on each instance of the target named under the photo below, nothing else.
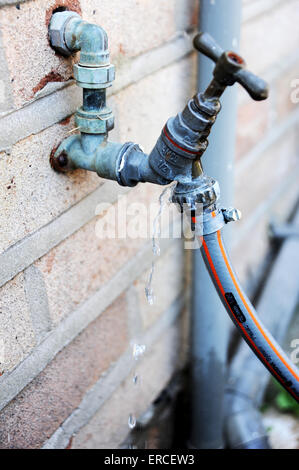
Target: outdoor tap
(184, 138)
(201, 112)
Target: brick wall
(267, 141)
(71, 304)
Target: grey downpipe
(210, 325)
(244, 315)
(245, 391)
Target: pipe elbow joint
(69, 33)
(90, 39)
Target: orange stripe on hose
(258, 325)
(213, 269)
(240, 325)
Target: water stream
(163, 201)
(139, 349)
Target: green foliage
(285, 402)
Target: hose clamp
(212, 221)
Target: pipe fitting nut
(94, 77)
(94, 122)
(57, 29)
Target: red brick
(109, 426)
(83, 263)
(257, 182)
(248, 255)
(48, 400)
(142, 113)
(31, 193)
(131, 26)
(17, 336)
(252, 123)
(271, 37)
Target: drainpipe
(210, 324)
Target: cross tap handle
(229, 69)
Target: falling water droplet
(135, 379)
(132, 446)
(156, 249)
(138, 350)
(150, 296)
(149, 293)
(157, 221)
(132, 421)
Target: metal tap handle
(230, 67)
(205, 44)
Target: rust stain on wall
(50, 77)
(69, 445)
(65, 121)
(60, 5)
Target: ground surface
(283, 429)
